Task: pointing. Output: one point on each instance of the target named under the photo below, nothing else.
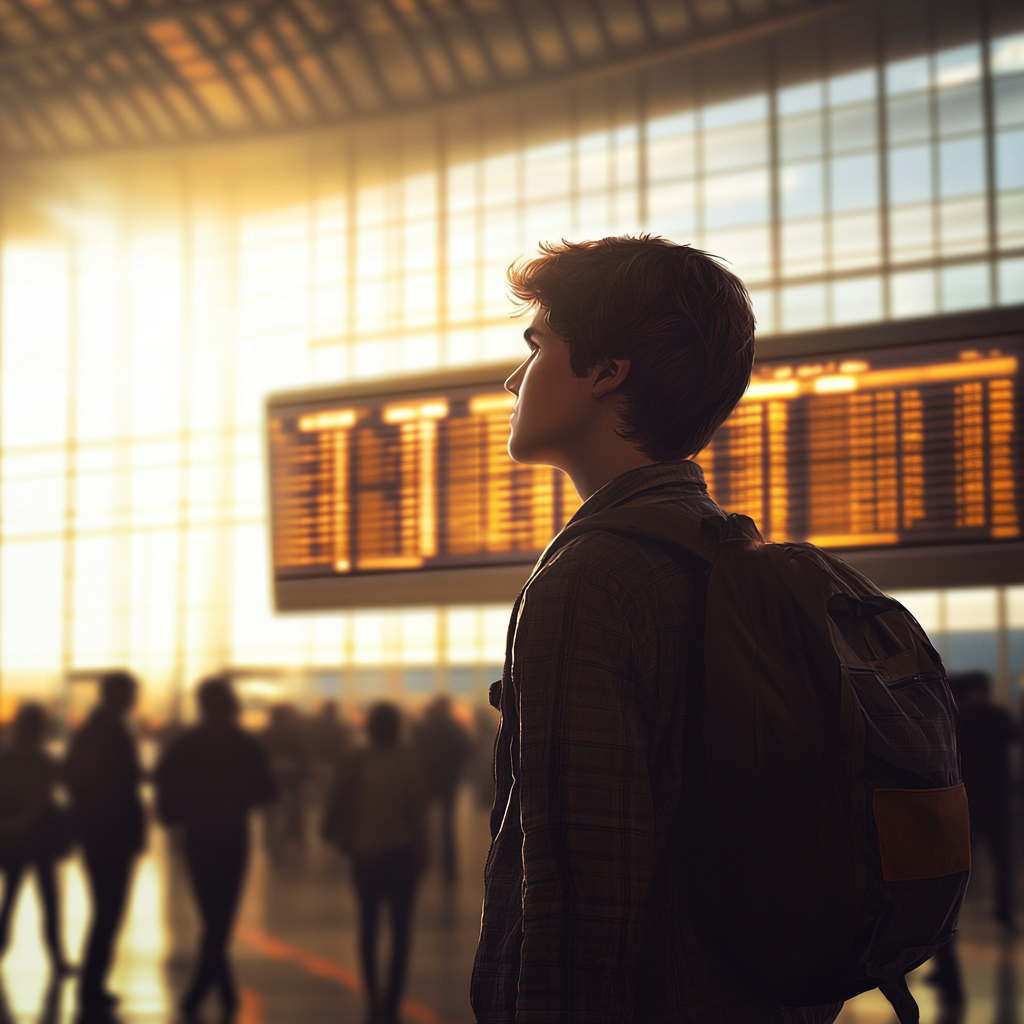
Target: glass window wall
(150, 302)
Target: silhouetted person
(102, 774)
(986, 734)
(33, 829)
(330, 738)
(208, 780)
(443, 749)
(375, 815)
(289, 764)
(485, 727)
(946, 977)
(328, 741)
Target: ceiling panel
(88, 75)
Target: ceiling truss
(91, 75)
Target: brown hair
(676, 313)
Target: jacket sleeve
(586, 726)
(171, 783)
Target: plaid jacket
(586, 911)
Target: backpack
(827, 828)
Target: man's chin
(524, 454)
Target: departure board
(402, 484)
(896, 447)
(415, 489)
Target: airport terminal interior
(254, 326)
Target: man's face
(555, 410)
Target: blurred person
(284, 744)
(987, 734)
(946, 977)
(102, 775)
(208, 780)
(34, 829)
(443, 748)
(328, 741)
(329, 735)
(485, 728)
(375, 815)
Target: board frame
(986, 563)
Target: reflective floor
(295, 946)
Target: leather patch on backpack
(922, 833)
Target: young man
(639, 350)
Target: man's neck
(603, 464)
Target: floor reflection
(295, 946)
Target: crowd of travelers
(369, 792)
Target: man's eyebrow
(529, 333)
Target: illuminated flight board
(410, 497)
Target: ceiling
(91, 75)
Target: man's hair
(217, 698)
(677, 314)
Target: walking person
(987, 734)
(375, 815)
(208, 780)
(284, 820)
(443, 749)
(34, 831)
(102, 774)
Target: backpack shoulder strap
(666, 523)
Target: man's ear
(608, 375)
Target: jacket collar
(668, 479)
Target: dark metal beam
(602, 27)
(515, 14)
(138, 18)
(73, 97)
(317, 49)
(483, 43)
(573, 56)
(103, 55)
(27, 125)
(321, 37)
(444, 41)
(74, 70)
(214, 56)
(644, 15)
(155, 88)
(176, 78)
(38, 111)
(369, 58)
(257, 65)
(289, 59)
(412, 43)
(236, 35)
